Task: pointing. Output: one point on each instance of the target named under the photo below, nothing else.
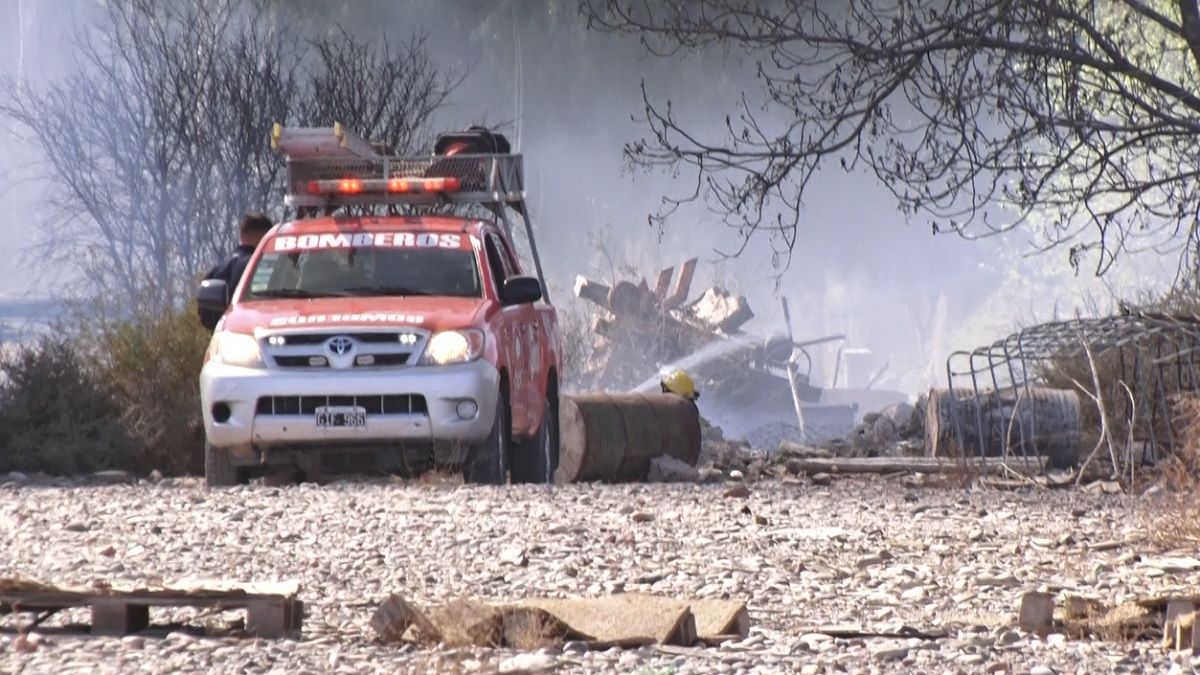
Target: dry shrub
(1176, 515)
(578, 342)
(527, 632)
(1075, 373)
(962, 475)
(106, 395)
(152, 367)
(531, 628)
(468, 623)
(56, 415)
(1181, 471)
(441, 476)
(471, 623)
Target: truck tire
(218, 467)
(487, 462)
(535, 460)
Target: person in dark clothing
(251, 230)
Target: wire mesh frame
(1147, 346)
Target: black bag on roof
(473, 141)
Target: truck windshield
(371, 270)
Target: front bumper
(443, 388)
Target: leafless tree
(1078, 118)
(384, 93)
(158, 141)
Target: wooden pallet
(272, 610)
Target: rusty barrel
(1027, 421)
(613, 437)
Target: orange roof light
(354, 186)
(407, 185)
(346, 186)
(444, 184)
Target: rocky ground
(880, 553)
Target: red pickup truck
(363, 340)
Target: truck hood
(430, 313)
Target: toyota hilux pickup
(379, 332)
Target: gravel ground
(878, 553)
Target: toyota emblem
(341, 345)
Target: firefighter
(680, 383)
(251, 230)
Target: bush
(151, 366)
(578, 344)
(55, 414)
(1148, 393)
(114, 395)
(1175, 515)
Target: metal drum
(613, 437)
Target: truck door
(529, 330)
(510, 327)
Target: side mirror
(521, 291)
(213, 296)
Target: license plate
(341, 417)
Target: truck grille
(311, 350)
(297, 339)
(374, 404)
(362, 361)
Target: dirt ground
(875, 553)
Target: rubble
(667, 469)
(1037, 613)
(744, 377)
(1170, 618)
(463, 623)
(971, 551)
(722, 310)
(395, 616)
(623, 619)
(902, 416)
(876, 447)
(895, 431)
(874, 432)
(527, 663)
(739, 491)
(789, 450)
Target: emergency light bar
(354, 186)
(331, 167)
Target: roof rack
(329, 167)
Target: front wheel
(487, 462)
(535, 460)
(219, 470)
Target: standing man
(251, 230)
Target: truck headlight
(453, 346)
(236, 349)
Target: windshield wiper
(295, 293)
(385, 290)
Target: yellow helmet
(679, 383)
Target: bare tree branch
(1081, 120)
(157, 142)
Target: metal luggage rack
(334, 154)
